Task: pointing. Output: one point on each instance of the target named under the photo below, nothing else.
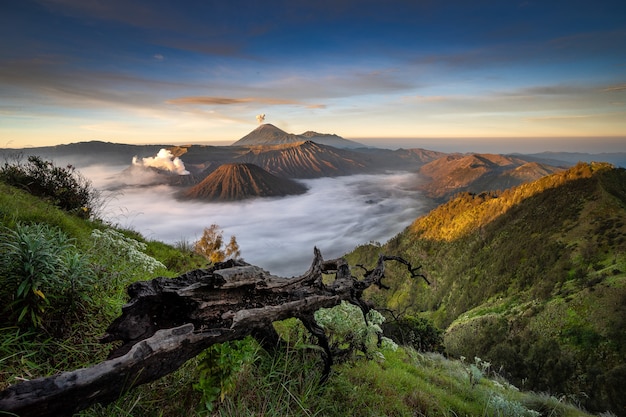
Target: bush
(499, 406)
(417, 332)
(41, 271)
(120, 260)
(219, 366)
(348, 332)
(65, 187)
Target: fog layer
(278, 234)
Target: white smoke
(260, 118)
(164, 160)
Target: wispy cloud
(614, 88)
(427, 99)
(574, 116)
(563, 117)
(227, 101)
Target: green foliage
(17, 206)
(120, 259)
(347, 330)
(219, 367)
(281, 383)
(499, 406)
(177, 259)
(40, 268)
(477, 370)
(417, 332)
(64, 187)
(499, 261)
(118, 246)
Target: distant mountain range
(316, 155)
(479, 172)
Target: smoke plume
(260, 118)
(164, 160)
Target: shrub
(499, 406)
(120, 259)
(348, 332)
(417, 332)
(41, 270)
(219, 366)
(64, 187)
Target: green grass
(19, 206)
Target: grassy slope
(532, 280)
(404, 384)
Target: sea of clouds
(278, 234)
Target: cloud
(227, 101)
(574, 116)
(427, 99)
(158, 57)
(277, 234)
(614, 88)
(342, 83)
(563, 117)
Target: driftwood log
(169, 321)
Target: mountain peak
(268, 128)
(238, 181)
(268, 134)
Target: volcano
(305, 159)
(268, 134)
(239, 181)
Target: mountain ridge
(456, 173)
(531, 279)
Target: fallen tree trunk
(169, 321)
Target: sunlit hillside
(532, 279)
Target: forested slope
(532, 279)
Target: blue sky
(511, 73)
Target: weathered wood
(168, 321)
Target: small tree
(211, 243)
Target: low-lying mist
(278, 234)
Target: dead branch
(169, 321)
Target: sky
(475, 75)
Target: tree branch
(169, 321)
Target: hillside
(454, 173)
(241, 181)
(532, 279)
